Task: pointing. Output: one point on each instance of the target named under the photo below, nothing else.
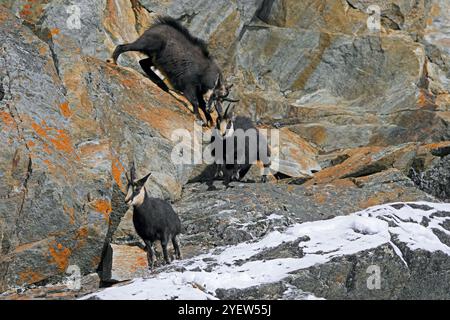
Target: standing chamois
(238, 145)
(154, 219)
(184, 60)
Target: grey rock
(210, 217)
(435, 179)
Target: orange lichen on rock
(25, 12)
(433, 146)
(162, 119)
(82, 233)
(47, 149)
(104, 207)
(54, 32)
(29, 277)
(43, 51)
(6, 118)
(426, 99)
(60, 256)
(380, 198)
(422, 100)
(65, 110)
(71, 212)
(128, 83)
(60, 140)
(117, 170)
(31, 10)
(39, 130)
(358, 158)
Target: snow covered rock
(393, 251)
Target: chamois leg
(176, 247)
(265, 159)
(145, 44)
(191, 95)
(164, 243)
(146, 65)
(266, 171)
(202, 103)
(122, 49)
(211, 176)
(244, 171)
(227, 175)
(150, 253)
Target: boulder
(127, 263)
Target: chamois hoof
(111, 61)
(211, 188)
(264, 179)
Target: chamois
(184, 60)
(237, 145)
(154, 219)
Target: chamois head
(135, 188)
(218, 94)
(224, 124)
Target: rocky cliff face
(363, 117)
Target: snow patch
(320, 241)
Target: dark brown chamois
(154, 219)
(184, 60)
(237, 145)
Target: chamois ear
(140, 183)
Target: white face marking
(224, 130)
(139, 199)
(129, 195)
(230, 131)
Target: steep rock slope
(67, 137)
(364, 122)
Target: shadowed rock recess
(364, 152)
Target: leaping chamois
(184, 60)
